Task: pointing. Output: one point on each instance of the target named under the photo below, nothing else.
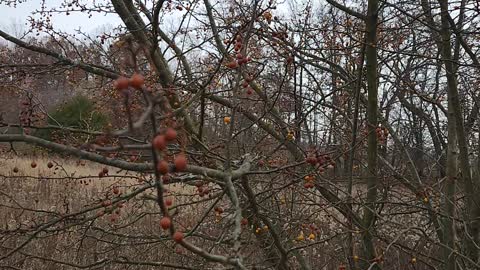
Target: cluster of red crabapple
(159, 143)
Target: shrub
(78, 113)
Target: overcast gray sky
(10, 15)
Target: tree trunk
(372, 90)
(455, 115)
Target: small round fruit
(162, 167)
(180, 163)
(311, 160)
(170, 134)
(49, 164)
(106, 203)
(309, 185)
(244, 221)
(165, 223)
(290, 59)
(116, 191)
(101, 174)
(15, 170)
(168, 202)
(226, 120)
(33, 164)
(178, 237)
(301, 237)
(121, 83)
(113, 218)
(137, 81)
(233, 64)
(165, 179)
(242, 61)
(160, 142)
(105, 170)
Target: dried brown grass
(32, 197)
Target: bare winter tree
(243, 135)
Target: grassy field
(32, 198)
(60, 218)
